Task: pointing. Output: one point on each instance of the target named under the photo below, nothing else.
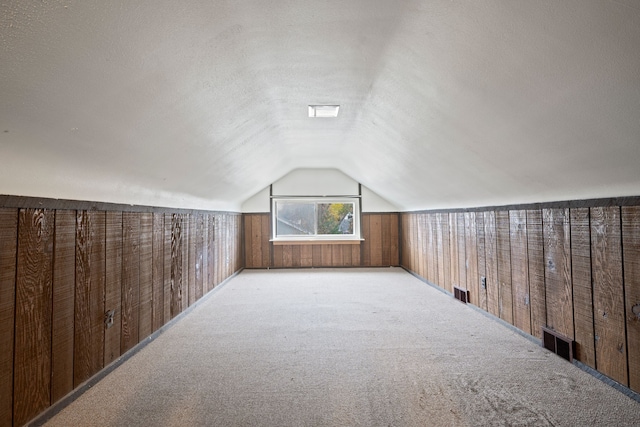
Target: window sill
(282, 242)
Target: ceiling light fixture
(323, 111)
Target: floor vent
(461, 294)
(558, 344)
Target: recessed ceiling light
(323, 111)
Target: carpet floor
(344, 347)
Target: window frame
(355, 237)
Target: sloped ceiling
(201, 104)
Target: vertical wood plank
(491, 253)
(327, 255)
(462, 250)
(130, 280)
(113, 285)
(394, 241)
(145, 319)
(537, 290)
(631, 256)
(287, 256)
(557, 252)
(176, 265)
(520, 270)
(249, 251)
(199, 259)
(64, 273)
(366, 244)
(403, 240)
(439, 249)
(168, 266)
(8, 252)
(418, 246)
(582, 288)
(337, 259)
(205, 251)
(385, 238)
(88, 355)
(453, 250)
(266, 244)
(257, 241)
(211, 253)
(278, 259)
(306, 256)
(491, 259)
(186, 271)
(471, 246)
(503, 247)
(157, 275)
(482, 269)
(192, 262)
(608, 291)
(32, 363)
(375, 231)
(446, 253)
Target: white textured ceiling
(201, 104)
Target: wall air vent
(323, 111)
(461, 294)
(558, 344)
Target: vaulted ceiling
(201, 104)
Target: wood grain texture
(130, 281)
(471, 245)
(266, 245)
(64, 272)
(419, 247)
(365, 225)
(113, 286)
(557, 253)
(394, 244)
(446, 256)
(462, 251)
(491, 260)
(482, 271)
(211, 254)
(404, 240)
(375, 239)
(168, 267)
(503, 246)
(186, 271)
(191, 260)
(198, 260)
(88, 355)
(631, 245)
(520, 270)
(205, 253)
(176, 265)
(32, 359)
(582, 286)
(8, 251)
(433, 248)
(385, 243)
(608, 291)
(537, 290)
(287, 256)
(454, 256)
(157, 275)
(145, 310)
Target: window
(305, 219)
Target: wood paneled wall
(63, 273)
(574, 270)
(379, 248)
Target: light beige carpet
(344, 347)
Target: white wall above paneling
(443, 104)
(315, 182)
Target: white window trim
(355, 237)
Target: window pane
(295, 218)
(335, 218)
